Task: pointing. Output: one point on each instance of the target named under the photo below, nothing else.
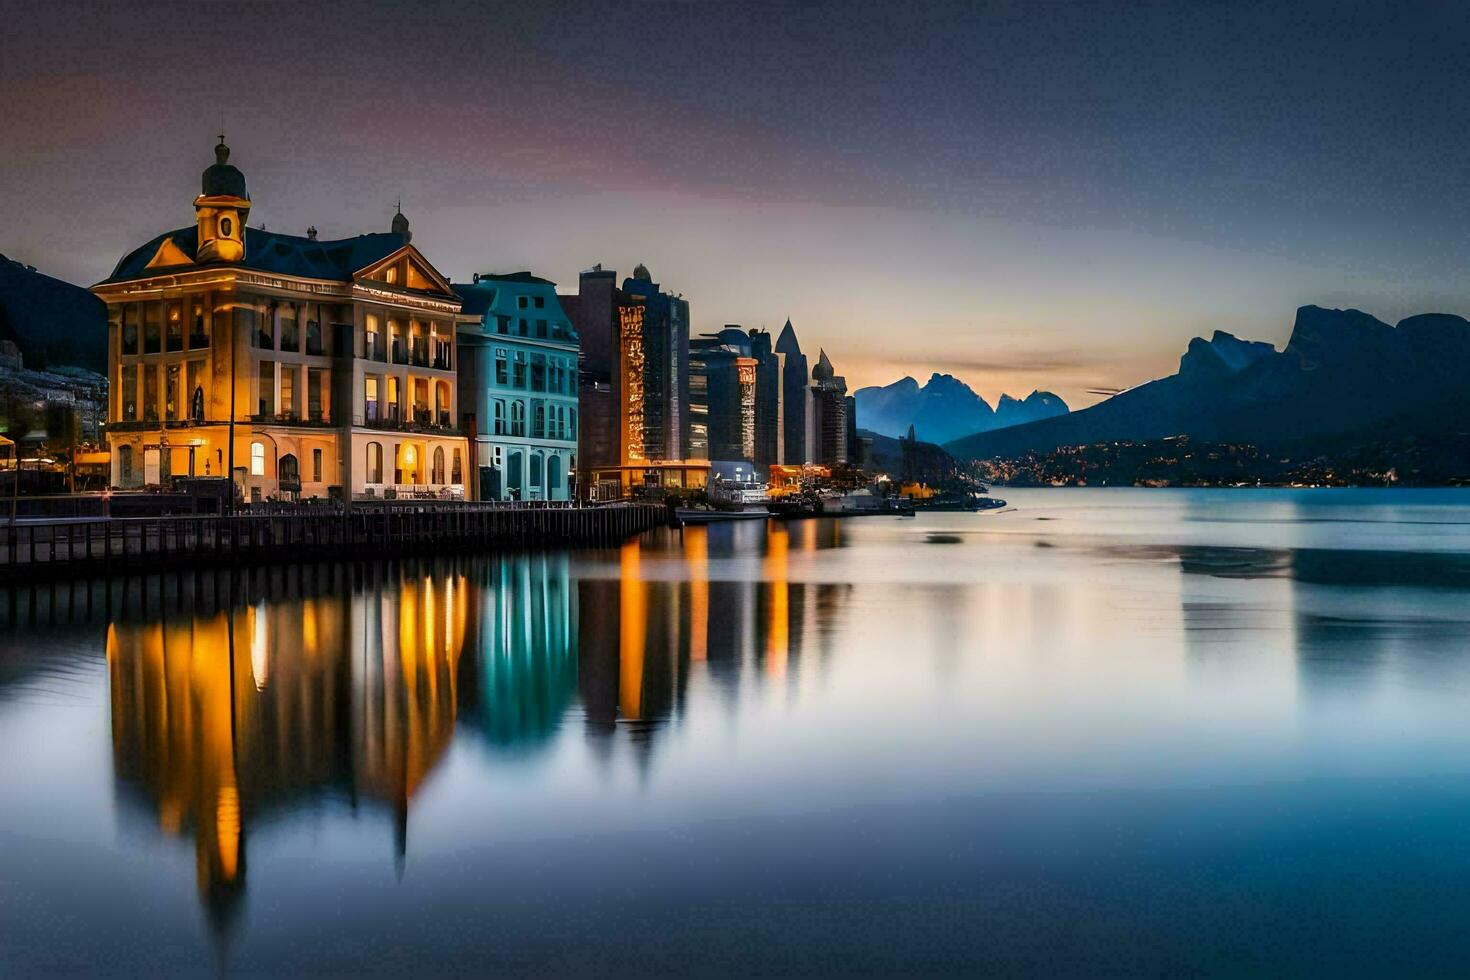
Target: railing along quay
(372, 529)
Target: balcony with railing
(315, 419)
(389, 418)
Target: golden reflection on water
(776, 563)
(353, 692)
(696, 557)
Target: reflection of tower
(777, 609)
(696, 559)
(598, 642)
(632, 633)
(631, 684)
(406, 692)
(173, 723)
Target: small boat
(973, 502)
(698, 515)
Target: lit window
(257, 459)
(375, 462)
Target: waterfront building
(653, 334)
(859, 450)
(722, 396)
(304, 368)
(635, 342)
(829, 414)
(770, 412)
(796, 395)
(856, 446)
(593, 314)
(518, 387)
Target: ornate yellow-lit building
(305, 368)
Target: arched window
(436, 474)
(196, 406)
(288, 471)
(125, 464)
(553, 475)
(257, 459)
(407, 470)
(456, 470)
(375, 462)
(517, 418)
(535, 470)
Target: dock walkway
(102, 545)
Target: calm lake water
(1136, 731)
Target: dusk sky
(1025, 195)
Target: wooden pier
(31, 549)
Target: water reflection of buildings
(689, 609)
(222, 717)
(236, 701)
(523, 678)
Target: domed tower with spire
(400, 224)
(221, 210)
(823, 371)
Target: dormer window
(226, 227)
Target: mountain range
(1342, 372)
(946, 408)
(52, 322)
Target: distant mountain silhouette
(1037, 405)
(945, 408)
(1342, 371)
(52, 322)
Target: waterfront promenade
(101, 545)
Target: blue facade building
(518, 387)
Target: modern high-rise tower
(795, 379)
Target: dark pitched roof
(476, 299)
(290, 255)
(523, 277)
